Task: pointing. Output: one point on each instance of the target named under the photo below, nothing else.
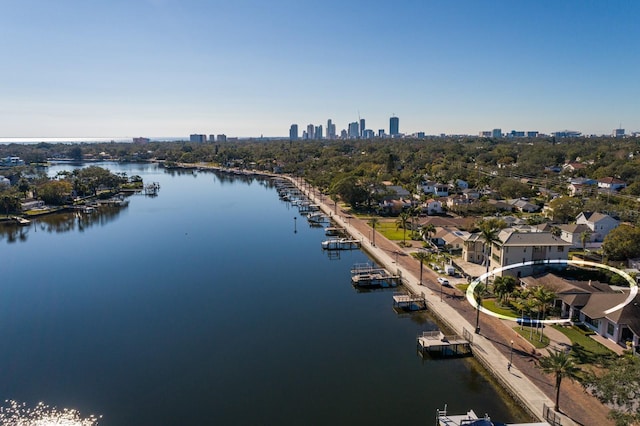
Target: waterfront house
(588, 303)
(515, 247)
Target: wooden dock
(409, 302)
(367, 275)
(341, 244)
(439, 343)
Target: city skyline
(168, 67)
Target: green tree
(489, 230)
(9, 202)
(503, 287)
(373, 222)
(422, 257)
(479, 292)
(561, 365)
(622, 243)
(401, 222)
(565, 209)
(427, 231)
(55, 192)
(619, 388)
(544, 298)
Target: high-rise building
(318, 132)
(496, 133)
(368, 134)
(221, 137)
(212, 138)
(394, 126)
(354, 133)
(618, 133)
(293, 132)
(311, 131)
(532, 134)
(362, 127)
(197, 138)
(381, 133)
(331, 129)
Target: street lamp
(510, 357)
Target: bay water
(203, 306)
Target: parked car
(443, 281)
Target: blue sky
(110, 68)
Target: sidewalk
(386, 253)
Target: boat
(317, 218)
(340, 244)
(472, 419)
(21, 221)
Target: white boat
(472, 419)
(340, 244)
(317, 218)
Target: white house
(600, 224)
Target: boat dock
(409, 302)
(472, 419)
(438, 342)
(367, 275)
(341, 244)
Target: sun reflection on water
(14, 413)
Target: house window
(610, 329)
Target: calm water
(202, 306)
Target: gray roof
(600, 302)
(509, 237)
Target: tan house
(518, 247)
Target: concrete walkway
(395, 260)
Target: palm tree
(489, 230)
(401, 222)
(562, 365)
(422, 257)
(373, 222)
(428, 230)
(335, 198)
(480, 291)
(503, 287)
(544, 298)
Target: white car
(443, 281)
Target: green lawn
(493, 306)
(535, 338)
(585, 349)
(389, 230)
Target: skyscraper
(354, 133)
(331, 130)
(311, 131)
(293, 132)
(318, 132)
(394, 126)
(362, 127)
